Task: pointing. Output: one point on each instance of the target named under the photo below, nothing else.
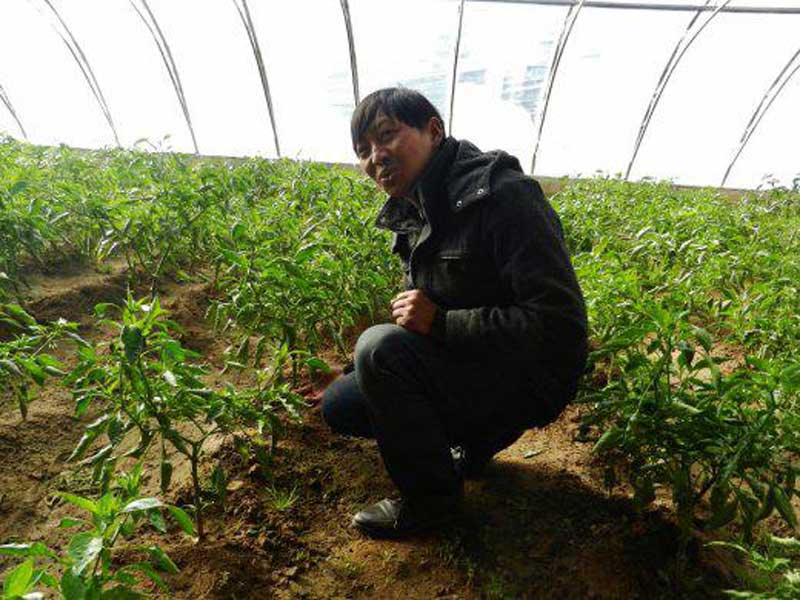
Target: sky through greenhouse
(701, 92)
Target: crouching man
(489, 335)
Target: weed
(283, 500)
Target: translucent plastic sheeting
(671, 2)
(305, 49)
(503, 65)
(610, 67)
(608, 73)
(773, 151)
(43, 81)
(676, 5)
(219, 76)
(410, 43)
(8, 124)
(696, 129)
(128, 67)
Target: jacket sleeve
(546, 315)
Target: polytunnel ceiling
(572, 87)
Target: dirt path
(539, 525)
(536, 527)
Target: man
(489, 335)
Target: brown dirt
(539, 525)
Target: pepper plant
(24, 361)
(304, 266)
(94, 563)
(145, 383)
(692, 301)
(678, 421)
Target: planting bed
(686, 432)
(540, 524)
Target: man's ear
(436, 127)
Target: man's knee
(330, 409)
(378, 346)
(343, 410)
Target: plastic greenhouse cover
(267, 78)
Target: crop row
(694, 305)
(692, 298)
(290, 257)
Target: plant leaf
(72, 586)
(142, 504)
(166, 475)
(133, 341)
(183, 519)
(784, 506)
(83, 549)
(80, 502)
(169, 377)
(161, 560)
(35, 549)
(17, 582)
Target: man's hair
(405, 105)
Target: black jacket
(488, 249)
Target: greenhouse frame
(674, 94)
(453, 299)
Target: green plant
(283, 499)
(23, 360)
(146, 383)
(303, 267)
(677, 421)
(90, 567)
(776, 570)
(692, 303)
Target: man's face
(394, 154)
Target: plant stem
(195, 459)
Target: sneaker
(389, 519)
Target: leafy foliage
(145, 382)
(167, 213)
(23, 360)
(692, 297)
(693, 307)
(303, 270)
(776, 570)
(90, 566)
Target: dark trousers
(417, 399)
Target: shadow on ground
(528, 531)
(539, 531)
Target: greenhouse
(382, 299)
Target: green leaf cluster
(693, 304)
(24, 361)
(91, 566)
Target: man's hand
(414, 311)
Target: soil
(539, 524)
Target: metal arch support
(247, 21)
(772, 93)
(7, 102)
(660, 6)
(86, 68)
(455, 68)
(351, 45)
(687, 39)
(569, 23)
(169, 63)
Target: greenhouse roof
(702, 92)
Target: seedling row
(692, 388)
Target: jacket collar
(458, 173)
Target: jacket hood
(459, 170)
(471, 173)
